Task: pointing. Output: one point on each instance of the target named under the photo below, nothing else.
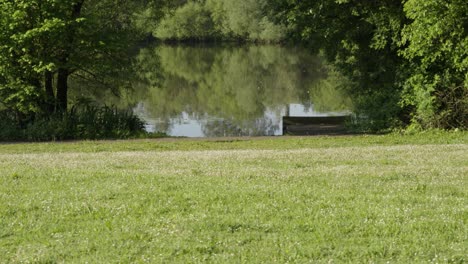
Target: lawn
(391, 198)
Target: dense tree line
(409, 57)
(227, 20)
(406, 60)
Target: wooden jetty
(317, 125)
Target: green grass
(395, 198)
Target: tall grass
(80, 122)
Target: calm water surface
(232, 91)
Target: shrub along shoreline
(86, 122)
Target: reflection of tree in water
(228, 128)
(163, 125)
(236, 84)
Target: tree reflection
(234, 84)
(229, 127)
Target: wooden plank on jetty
(317, 125)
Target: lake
(216, 91)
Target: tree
(191, 21)
(436, 44)
(45, 42)
(218, 19)
(407, 59)
(361, 39)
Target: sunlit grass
(349, 199)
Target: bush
(81, 122)
(8, 127)
(189, 22)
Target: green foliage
(407, 60)
(361, 43)
(436, 44)
(328, 94)
(191, 21)
(247, 19)
(219, 19)
(80, 122)
(8, 127)
(18, 67)
(49, 47)
(53, 40)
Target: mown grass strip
(277, 143)
(379, 202)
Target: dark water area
(215, 91)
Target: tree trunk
(65, 69)
(49, 89)
(62, 89)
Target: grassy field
(401, 199)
